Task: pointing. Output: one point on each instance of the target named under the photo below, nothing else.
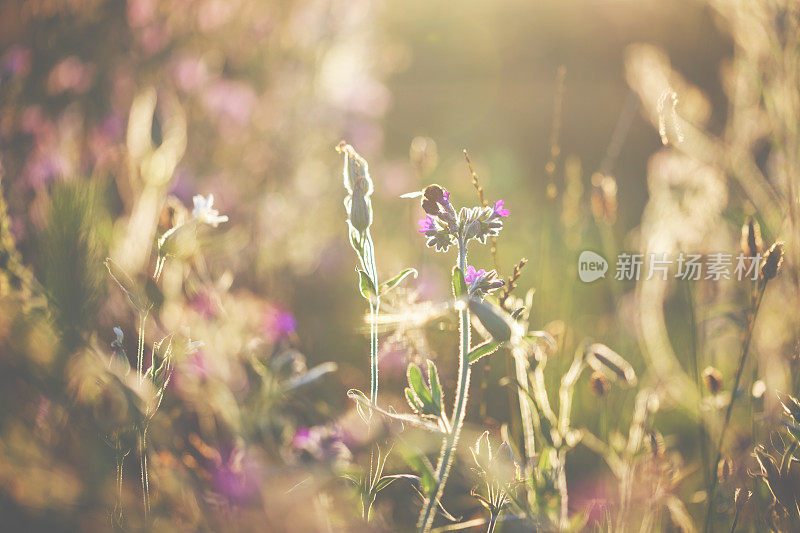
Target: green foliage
(70, 269)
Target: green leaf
(417, 383)
(460, 289)
(365, 285)
(483, 349)
(413, 401)
(136, 297)
(494, 319)
(436, 388)
(395, 281)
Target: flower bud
(360, 209)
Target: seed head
(741, 497)
(773, 261)
(713, 379)
(751, 242)
(724, 469)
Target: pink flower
(425, 224)
(499, 210)
(471, 274)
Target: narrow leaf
(395, 281)
(436, 388)
(127, 285)
(482, 350)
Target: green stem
(459, 410)
(739, 371)
(368, 263)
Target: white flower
(204, 213)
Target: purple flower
(471, 274)
(320, 443)
(236, 477)
(445, 197)
(279, 323)
(425, 224)
(499, 210)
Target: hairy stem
(145, 481)
(459, 410)
(739, 371)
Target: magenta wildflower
(471, 274)
(278, 323)
(499, 210)
(425, 224)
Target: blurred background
(114, 114)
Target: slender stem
(739, 371)
(145, 481)
(694, 354)
(735, 519)
(372, 271)
(492, 523)
(140, 348)
(459, 410)
(118, 505)
(562, 490)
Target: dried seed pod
(604, 198)
(741, 497)
(790, 405)
(599, 384)
(724, 469)
(712, 379)
(751, 242)
(773, 260)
